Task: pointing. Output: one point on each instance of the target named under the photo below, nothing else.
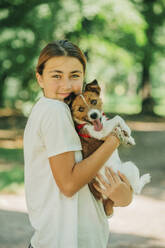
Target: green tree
(142, 39)
(153, 13)
(25, 27)
(120, 39)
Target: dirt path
(140, 225)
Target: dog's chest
(89, 145)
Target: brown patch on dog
(89, 145)
(93, 87)
(93, 190)
(108, 206)
(79, 108)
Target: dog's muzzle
(96, 118)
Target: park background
(124, 43)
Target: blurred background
(124, 42)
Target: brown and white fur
(93, 127)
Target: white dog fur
(129, 169)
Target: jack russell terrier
(93, 127)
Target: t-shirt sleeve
(58, 131)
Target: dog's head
(86, 108)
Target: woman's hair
(60, 48)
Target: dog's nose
(94, 116)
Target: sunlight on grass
(160, 110)
(158, 92)
(11, 170)
(129, 105)
(122, 104)
(11, 180)
(11, 155)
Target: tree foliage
(123, 40)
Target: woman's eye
(56, 76)
(75, 76)
(81, 109)
(94, 102)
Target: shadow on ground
(120, 240)
(15, 229)
(15, 232)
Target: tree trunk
(148, 51)
(145, 91)
(2, 83)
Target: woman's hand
(118, 189)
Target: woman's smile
(64, 94)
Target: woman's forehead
(63, 64)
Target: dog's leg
(107, 129)
(146, 178)
(108, 206)
(124, 139)
(109, 125)
(96, 194)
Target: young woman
(62, 210)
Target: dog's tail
(146, 178)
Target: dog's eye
(94, 102)
(81, 109)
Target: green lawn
(131, 105)
(122, 104)
(11, 170)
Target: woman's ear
(39, 80)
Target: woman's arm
(70, 176)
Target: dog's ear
(69, 100)
(93, 86)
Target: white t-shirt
(59, 221)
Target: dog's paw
(130, 141)
(146, 178)
(124, 139)
(120, 134)
(120, 122)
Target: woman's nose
(67, 84)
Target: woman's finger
(99, 189)
(109, 175)
(116, 178)
(101, 179)
(124, 178)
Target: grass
(11, 170)
(12, 181)
(122, 104)
(130, 105)
(11, 155)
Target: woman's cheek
(77, 88)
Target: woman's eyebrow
(56, 71)
(76, 71)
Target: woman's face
(61, 76)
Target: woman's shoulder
(49, 109)
(47, 105)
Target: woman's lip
(64, 93)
